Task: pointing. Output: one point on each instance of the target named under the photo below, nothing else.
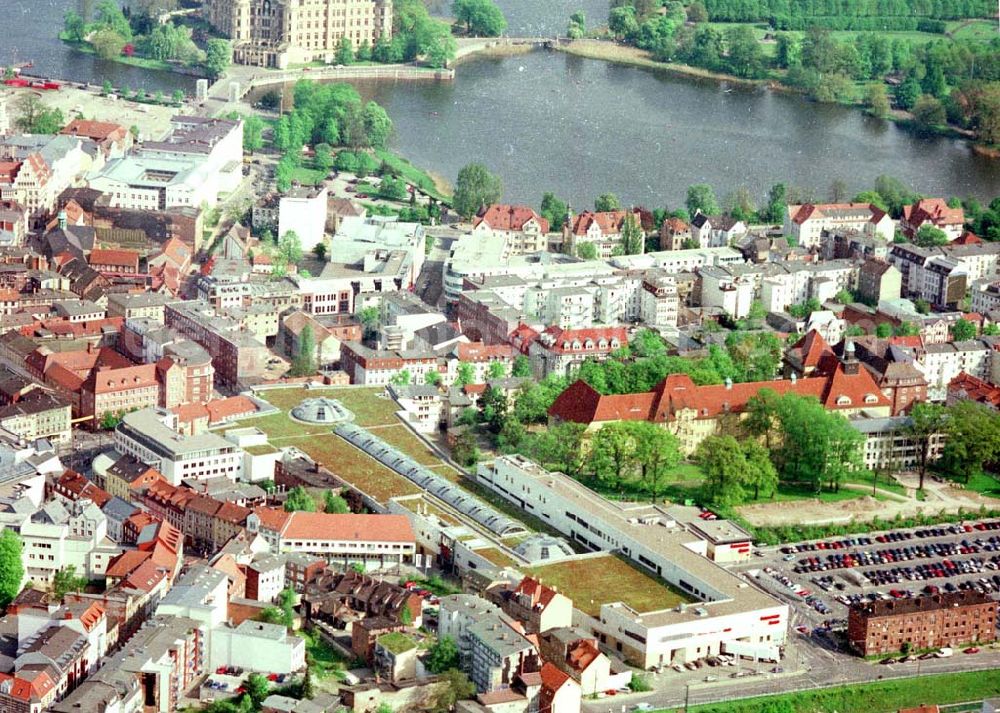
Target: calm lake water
(548, 121)
(29, 32)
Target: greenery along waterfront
(907, 55)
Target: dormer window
(615, 343)
(603, 344)
(589, 344)
(576, 345)
(843, 400)
(871, 399)
(565, 345)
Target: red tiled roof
(968, 238)
(188, 413)
(125, 563)
(968, 387)
(345, 528)
(594, 335)
(221, 409)
(500, 216)
(580, 654)
(145, 577)
(75, 483)
(553, 678)
(104, 381)
(114, 258)
(934, 211)
(801, 213)
(610, 223)
(25, 690)
(536, 591)
(477, 351)
(582, 404)
(96, 130)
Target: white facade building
(726, 612)
(303, 211)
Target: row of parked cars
(888, 555)
(893, 536)
(930, 570)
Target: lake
(30, 30)
(547, 121)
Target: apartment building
(524, 230)
(236, 354)
(603, 230)
(60, 535)
(117, 391)
(39, 414)
(806, 223)
(889, 445)
(933, 212)
(923, 622)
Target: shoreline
(152, 65)
(607, 51)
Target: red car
(971, 650)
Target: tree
(369, 317)
(723, 462)
(466, 374)
(928, 236)
(334, 504)
(657, 452)
(622, 22)
(456, 687)
(482, 18)
(776, 202)
(74, 26)
(107, 43)
(883, 330)
(586, 251)
(577, 25)
(32, 117)
(926, 421)
(65, 581)
(844, 297)
(304, 361)
(290, 248)
(393, 189)
(877, 100)
(401, 378)
(432, 378)
(378, 125)
(177, 96)
(907, 93)
(323, 157)
(475, 189)
(696, 12)
(521, 367)
(443, 655)
(298, 500)
(257, 688)
(554, 211)
(345, 51)
(559, 447)
(319, 250)
(607, 202)
(701, 197)
(466, 450)
(496, 370)
(110, 420)
(218, 57)
(11, 566)
(253, 133)
(929, 112)
(613, 454)
(973, 439)
(109, 14)
(760, 474)
(963, 330)
(746, 58)
(633, 239)
(283, 173)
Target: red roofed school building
(936, 213)
(603, 229)
(693, 412)
(347, 538)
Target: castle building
(277, 33)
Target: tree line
(812, 10)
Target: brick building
(946, 619)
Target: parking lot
(820, 579)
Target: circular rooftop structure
(322, 411)
(541, 547)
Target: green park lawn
(973, 30)
(880, 697)
(308, 176)
(593, 581)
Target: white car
(642, 707)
